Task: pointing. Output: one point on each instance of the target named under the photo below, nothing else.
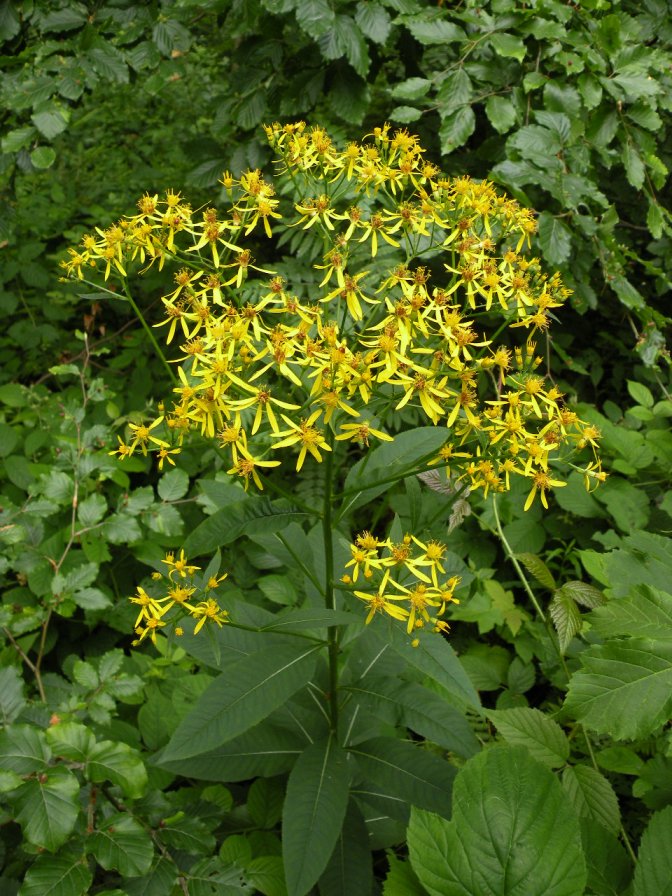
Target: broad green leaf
(62, 875)
(211, 877)
(346, 39)
(436, 658)
(349, 868)
(555, 238)
(435, 31)
(71, 740)
(122, 844)
(624, 688)
(512, 833)
(641, 393)
(250, 690)
(157, 882)
(645, 612)
(530, 728)
(456, 128)
(653, 874)
(609, 868)
(501, 112)
(48, 806)
(254, 515)
(267, 874)
(189, 835)
(315, 17)
(411, 89)
(313, 813)
(374, 21)
(592, 796)
(173, 485)
(23, 749)
(10, 24)
(109, 63)
(378, 470)
(407, 772)
(401, 880)
(508, 45)
(566, 617)
(536, 566)
(72, 16)
(120, 764)
(42, 157)
(51, 122)
(12, 700)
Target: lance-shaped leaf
(624, 688)
(592, 796)
(245, 517)
(407, 772)
(513, 833)
(349, 869)
(312, 816)
(530, 728)
(247, 693)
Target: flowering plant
(404, 348)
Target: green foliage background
(567, 106)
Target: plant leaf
(313, 813)
(531, 728)
(645, 612)
(62, 875)
(349, 868)
(240, 698)
(653, 874)
(566, 617)
(536, 566)
(513, 832)
(122, 844)
(253, 515)
(48, 807)
(592, 796)
(624, 688)
(407, 772)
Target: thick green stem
(329, 592)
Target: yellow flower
(380, 602)
(305, 434)
(209, 611)
(179, 566)
(542, 482)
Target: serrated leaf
(582, 593)
(633, 164)
(566, 618)
(406, 772)
(530, 728)
(267, 874)
(313, 813)
(109, 63)
(520, 827)
(624, 688)
(123, 845)
(120, 764)
(373, 20)
(48, 807)
(645, 612)
(592, 796)
(63, 875)
(654, 220)
(653, 874)
(401, 880)
(240, 698)
(555, 238)
(536, 566)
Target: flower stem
(150, 335)
(512, 557)
(329, 593)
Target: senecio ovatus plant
(423, 287)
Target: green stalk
(329, 593)
(512, 557)
(151, 336)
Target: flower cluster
(408, 579)
(177, 601)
